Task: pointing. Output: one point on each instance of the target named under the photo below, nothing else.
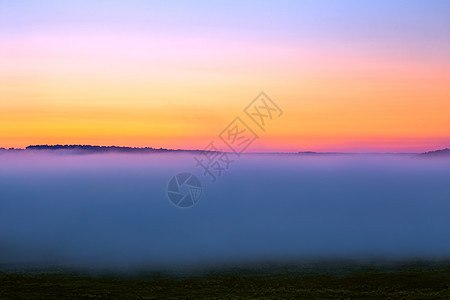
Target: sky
(354, 76)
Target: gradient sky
(357, 76)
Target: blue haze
(112, 210)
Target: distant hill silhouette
(11, 149)
(320, 153)
(101, 149)
(437, 153)
(118, 149)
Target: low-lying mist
(111, 210)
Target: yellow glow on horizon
(145, 92)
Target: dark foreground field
(412, 280)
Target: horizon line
(66, 146)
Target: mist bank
(95, 149)
(111, 210)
